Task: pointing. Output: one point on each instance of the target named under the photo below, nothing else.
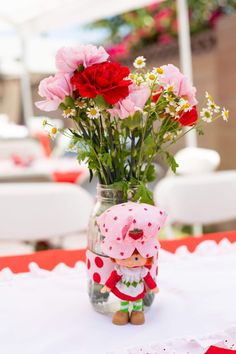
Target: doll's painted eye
(136, 258)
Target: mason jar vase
(107, 196)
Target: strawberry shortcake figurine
(130, 239)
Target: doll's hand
(105, 289)
(155, 290)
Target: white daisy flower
(51, 131)
(171, 110)
(158, 71)
(139, 80)
(225, 114)
(140, 62)
(208, 97)
(93, 112)
(136, 78)
(151, 78)
(168, 136)
(173, 103)
(80, 103)
(69, 112)
(183, 105)
(213, 106)
(169, 88)
(168, 96)
(206, 115)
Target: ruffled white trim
(205, 248)
(35, 271)
(225, 339)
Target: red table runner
(49, 259)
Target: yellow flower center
(226, 113)
(139, 61)
(210, 98)
(93, 112)
(152, 77)
(185, 106)
(170, 88)
(68, 111)
(160, 71)
(54, 130)
(80, 104)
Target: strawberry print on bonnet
(131, 226)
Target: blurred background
(39, 174)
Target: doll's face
(136, 260)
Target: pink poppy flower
(68, 59)
(182, 86)
(135, 101)
(54, 89)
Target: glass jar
(107, 196)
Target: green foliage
(100, 102)
(199, 130)
(151, 173)
(132, 122)
(143, 194)
(69, 102)
(171, 161)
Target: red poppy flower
(157, 94)
(189, 118)
(105, 79)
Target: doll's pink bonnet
(118, 223)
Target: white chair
(24, 148)
(195, 160)
(43, 211)
(11, 130)
(198, 200)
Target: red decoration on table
(44, 141)
(217, 350)
(22, 162)
(67, 176)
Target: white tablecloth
(44, 312)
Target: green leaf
(151, 173)
(171, 161)
(69, 102)
(100, 102)
(143, 195)
(107, 160)
(62, 106)
(199, 130)
(149, 146)
(133, 122)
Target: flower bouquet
(122, 120)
